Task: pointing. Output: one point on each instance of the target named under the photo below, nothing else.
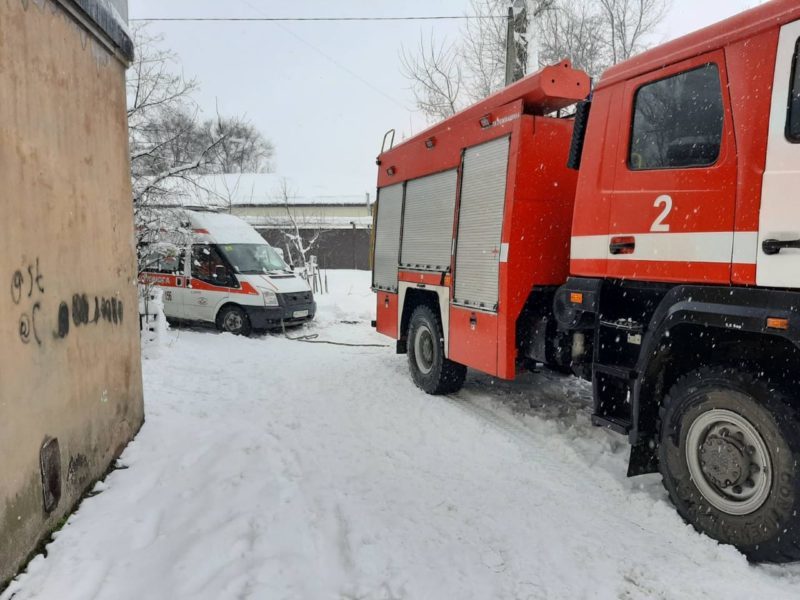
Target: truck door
(673, 206)
(209, 284)
(778, 257)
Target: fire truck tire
(728, 453)
(430, 370)
(234, 320)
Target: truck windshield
(253, 258)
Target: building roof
(322, 223)
(251, 189)
(111, 17)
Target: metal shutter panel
(480, 224)
(387, 237)
(428, 221)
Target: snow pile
(271, 468)
(153, 321)
(348, 298)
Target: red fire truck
(650, 244)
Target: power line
(326, 56)
(301, 19)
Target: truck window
(793, 117)
(677, 121)
(208, 266)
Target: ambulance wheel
(430, 370)
(728, 455)
(234, 320)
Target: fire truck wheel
(234, 320)
(430, 370)
(728, 455)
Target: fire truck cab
(650, 245)
(682, 301)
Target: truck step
(615, 371)
(623, 325)
(615, 424)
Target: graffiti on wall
(27, 291)
(81, 310)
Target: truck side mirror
(579, 134)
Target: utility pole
(510, 48)
(517, 41)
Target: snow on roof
(111, 16)
(323, 223)
(251, 189)
(224, 228)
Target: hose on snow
(311, 338)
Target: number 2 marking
(666, 202)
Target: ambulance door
(166, 270)
(778, 262)
(209, 284)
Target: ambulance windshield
(253, 258)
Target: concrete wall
(69, 339)
(336, 248)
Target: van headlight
(270, 298)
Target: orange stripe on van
(246, 288)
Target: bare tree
(169, 145)
(594, 34)
(243, 148)
(483, 48)
(629, 22)
(435, 76)
(574, 30)
(298, 244)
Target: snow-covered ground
(271, 468)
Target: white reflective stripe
(745, 247)
(708, 247)
(589, 247)
(503, 253)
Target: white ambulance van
(230, 276)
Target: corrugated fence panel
(428, 221)
(480, 224)
(387, 237)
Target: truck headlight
(270, 298)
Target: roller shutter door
(428, 221)
(480, 224)
(387, 237)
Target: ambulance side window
(208, 265)
(793, 117)
(677, 121)
(164, 260)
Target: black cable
(312, 339)
(300, 19)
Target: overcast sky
(325, 93)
